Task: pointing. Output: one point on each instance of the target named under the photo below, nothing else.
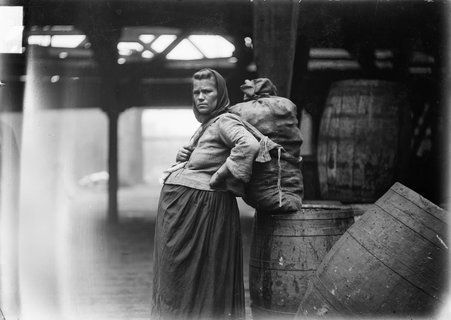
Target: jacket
(226, 140)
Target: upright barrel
(364, 139)
(285, 252)
(391, 262)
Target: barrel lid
(316, 210)
(322, 204)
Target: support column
(104, 36)
(113, 185)
(275, 33)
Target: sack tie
(279, 178)
(263, 153)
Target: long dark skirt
(198, 271)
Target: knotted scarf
(223, 101)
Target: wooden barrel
(391, 262)
(286, 250)
(363, 141)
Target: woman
(198, 251)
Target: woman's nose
(201, 96)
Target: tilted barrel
(391, 262)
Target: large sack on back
(273, 116)
(276, 186)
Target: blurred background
(95, 100)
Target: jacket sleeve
(243, 146)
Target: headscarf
(222, 99)
(258, 88)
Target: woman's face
(205, 95)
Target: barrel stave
(286, 250)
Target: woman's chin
(204, 110)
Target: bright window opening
(130, 46)
(162, 42)
(147, 54)
(11, 29)
(39, 40)
(213, 46)
(67, 41)
(146, 38)
(185, 50)
(125, 52)
(127, 48)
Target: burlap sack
(274, 117)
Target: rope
(279, 178)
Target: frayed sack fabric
(276, 181)
(276, 185)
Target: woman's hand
(219, 176)
(184, 154)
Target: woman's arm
(243, 149)
(219, 176)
